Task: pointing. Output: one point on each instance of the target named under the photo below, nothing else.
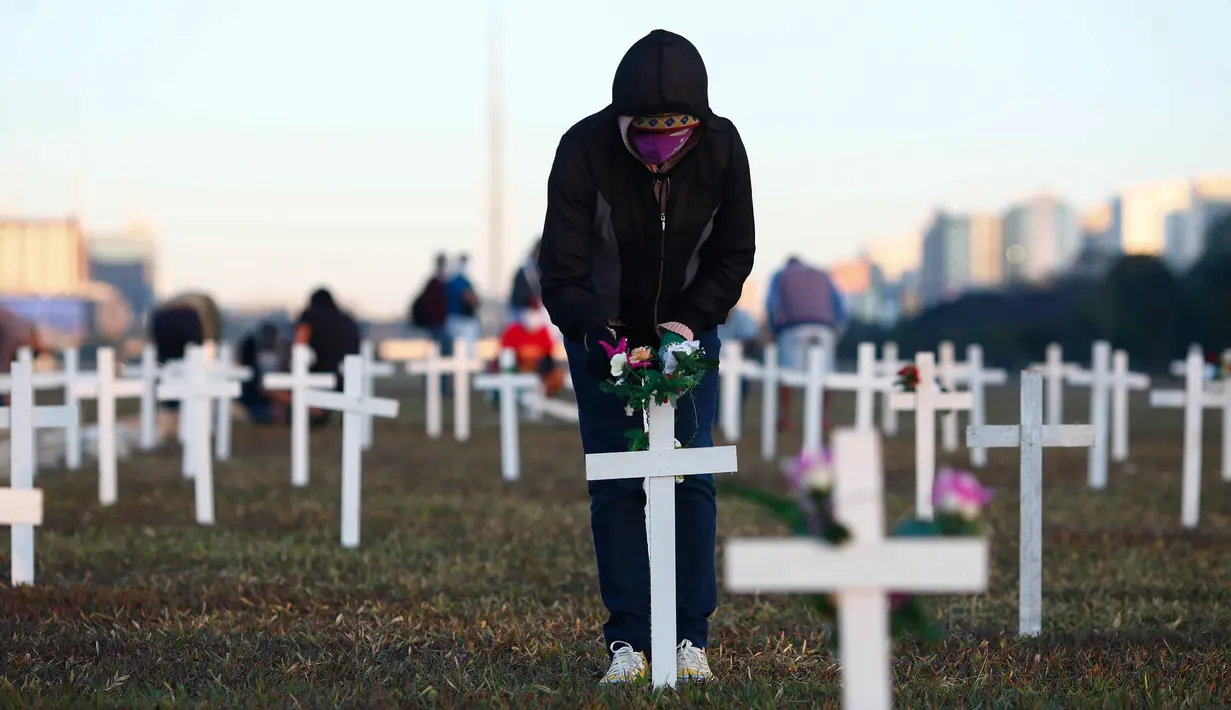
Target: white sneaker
(691, 663)
(627, 665)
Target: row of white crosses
(1196, 396)
(63, 379)
(21, 505)
(861, 573)
(814, 380)
(461, 365)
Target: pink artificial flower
(809, 471)
(959, 492)
(621, 347)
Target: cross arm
(21, 506)
(1167, 398)
(288, 381)
(490, 381)
(854, 381)
(1064, 436)
(643, 464)
(342, 402)
(180, 390)
(802, 565)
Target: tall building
(126, 262)
(945, 270)
(1184, 228)
(42, 256)
(897, 255)
(986, 251)
(1142, 215)
(862, 285)
(1041, 237)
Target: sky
(275, 146)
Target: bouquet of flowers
(958, 500)
(642, 377)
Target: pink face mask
(657, 147)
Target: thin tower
(495, 188)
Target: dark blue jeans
(617, 511)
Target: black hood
(661, 73)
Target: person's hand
(598, 342)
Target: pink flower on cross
(960, 493)
(809, 471)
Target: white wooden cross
(732, 370)
(226, 369)
(299, 381)
(769, 376)
(1121, 382)
(977, 380)
(461, 364)
(42, 381)
(926, 400)
(865, 383)
(889, 366)
(1098, 379)
(811, 380)
(1179, 368)
(353, 404)
(1055, 369)
(106, 389)
(23, 418)
(193, 386)
(372, 368)
(509, 384)
(433, 369)
(148, 372)
(1194, 399)
(661, 464)
(1031, 436)
(948, 372)
(862, 572)
(21, 508)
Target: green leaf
(784, 509)
(914, 527)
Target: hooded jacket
(624, 244)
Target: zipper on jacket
(664, 185)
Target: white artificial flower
(619, 362)
(628, 410)
(819, 478)
(964, 507)
(688, 347)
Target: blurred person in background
(649, 236)
(803, 308)
(332, 334)
(186, 319)
(263, 352)
(15, 333)
(430, 309)
(525, 291)
(531, 339)
(463, 305)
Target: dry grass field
(469, 592)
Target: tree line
(1139, 305)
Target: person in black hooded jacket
(649, 236)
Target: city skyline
(353, 164)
